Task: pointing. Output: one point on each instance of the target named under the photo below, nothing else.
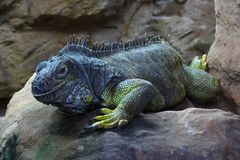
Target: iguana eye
(62, 72)
(86, 97)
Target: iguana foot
(110, 119)
(199, 63)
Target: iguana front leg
(130, 98)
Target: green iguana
(145, 74)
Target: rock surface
(31, 31)
(224, 55)
(31, 130)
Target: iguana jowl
(145, 74)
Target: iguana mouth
(48, 92)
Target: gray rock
(224, 55)
(31, 130)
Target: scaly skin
(197, 79)
(135, 95)
(146, 74)
(131, 98)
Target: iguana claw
(122, 122)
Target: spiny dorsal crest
(83, 45)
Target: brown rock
(32, 130)
(224, 55)
(29, 33)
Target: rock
(31, 31)
(224, 55)
(31, 130)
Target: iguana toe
(106, 110)
(103, 117)
(110, 125)
(204, 62)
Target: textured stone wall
(224, 55)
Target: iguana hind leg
(130, 98)
(200, 85)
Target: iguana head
(62, 82)
(75, 78)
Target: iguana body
(146, 74)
